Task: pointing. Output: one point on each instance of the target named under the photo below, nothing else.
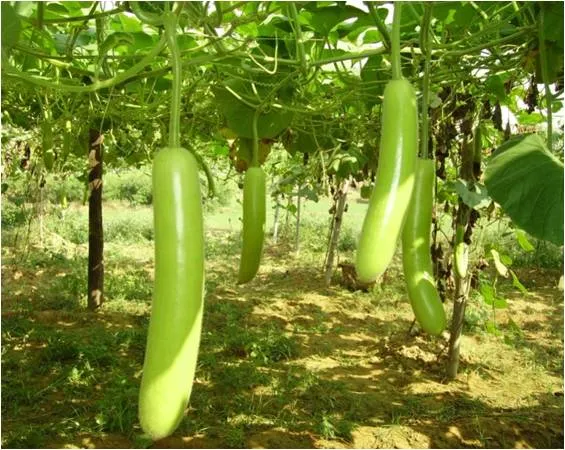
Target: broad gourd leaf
(495, 85)
(323, 19)
(10, 26)
(500, 267)
(129, 24)
(527, 181)
(516, 283)
(476, 198)
(308, 140)
(239, 116)
(115, 40)
(490, 298)
(24, 8)
(523, 240)
(553, 21)
(525, 118)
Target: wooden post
(462, 283)
(95, 232)
(276, 220)
(341, 195)
(297, 236)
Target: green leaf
(372, 69)
(115, 40)
(161, 84)
(477, 198)
(186, 42)
(490, 327)
(500, 267)
(10, 26)
(445, 11)
(324, 19)
(523, 240)
(23, 9)
(55, 10)
(525, 118)
(516, 283)
(308, 141)
(308, 193)
(239, 116)
(129, 24)
(487, 292)
(553, 21)
(527, 181)
(490, 298)
(220, 149)
(495, 85)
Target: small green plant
(131, 185)
(234, 436)
(347, 240)
(117, 411)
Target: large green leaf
(239, 115)
(10, 26)
(476, 198)
(527, 181)
(323, 19)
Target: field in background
(284, 361)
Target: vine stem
(299, 39)
(143, 16)
(395, 42)
(255, 148)
(545, 75)
(425, 46)
(170, 21)
(97, 85)
(379, 23)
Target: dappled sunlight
(284, 361)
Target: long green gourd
(416, 257)
(395, 172)
(254, 212)
(176, 313)
(254, 215)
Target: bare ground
(315, 367)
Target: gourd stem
(425, 46)
(255, 147)
(395, 42)
(144, 16)
(301, 53)
(545, 76)
(170, 21)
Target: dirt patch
(286, 362)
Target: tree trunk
(297, 237)
(459, 306)
(276, 221)
(95, 233)
(462, 283)
(41, 211)
(336, 228)
(287, 217)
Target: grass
(284, 361)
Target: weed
(117, 411)
(61, 348)
(347, 240)
(131, 185)
(25, 437)
(234, 436)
